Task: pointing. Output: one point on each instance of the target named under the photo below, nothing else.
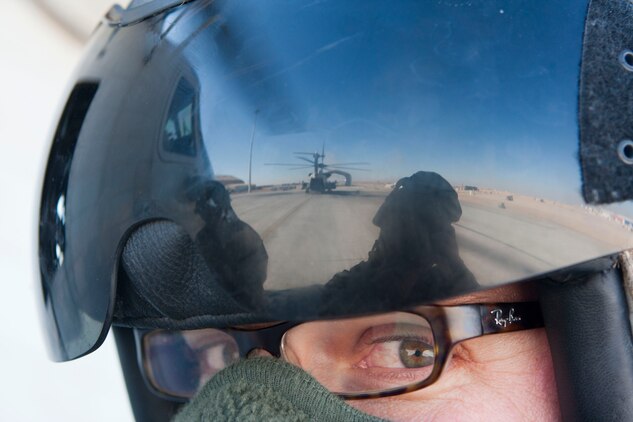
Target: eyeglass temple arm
(507, 317)
(469, 321)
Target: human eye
(365, 354)
(394, 354)
(401, 351)
(398, 345)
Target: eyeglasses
(356, 358)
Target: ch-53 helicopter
(319, 178)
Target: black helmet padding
(164, 282)
(588, 329)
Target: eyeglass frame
(450, 326)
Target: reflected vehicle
(319, 178)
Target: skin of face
(505, 377)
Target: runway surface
(311, 237)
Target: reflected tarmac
(310, 238)
(307, 237)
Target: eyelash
(401, 337)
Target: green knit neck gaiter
(265, 389)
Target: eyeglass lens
(178, 363)
(367, 354)
(360, 355)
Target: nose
(258, 352)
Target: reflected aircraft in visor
(452, 163)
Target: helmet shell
(313, 160)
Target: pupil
(416, 354)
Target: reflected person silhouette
(170, 280)
(415, 257)
(231, 247)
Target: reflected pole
(250, 158)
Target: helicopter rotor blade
(306, 159)
(282, 164)
(359, 163)
(348, 168)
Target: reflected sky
(484, 93)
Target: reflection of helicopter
(319, 177)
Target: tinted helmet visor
(270, 161)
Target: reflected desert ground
(502, 236)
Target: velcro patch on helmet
(606, 102)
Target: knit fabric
(267, 389)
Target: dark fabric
(170, 278)
(587, 324)
(267, 389)
(606, 102)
